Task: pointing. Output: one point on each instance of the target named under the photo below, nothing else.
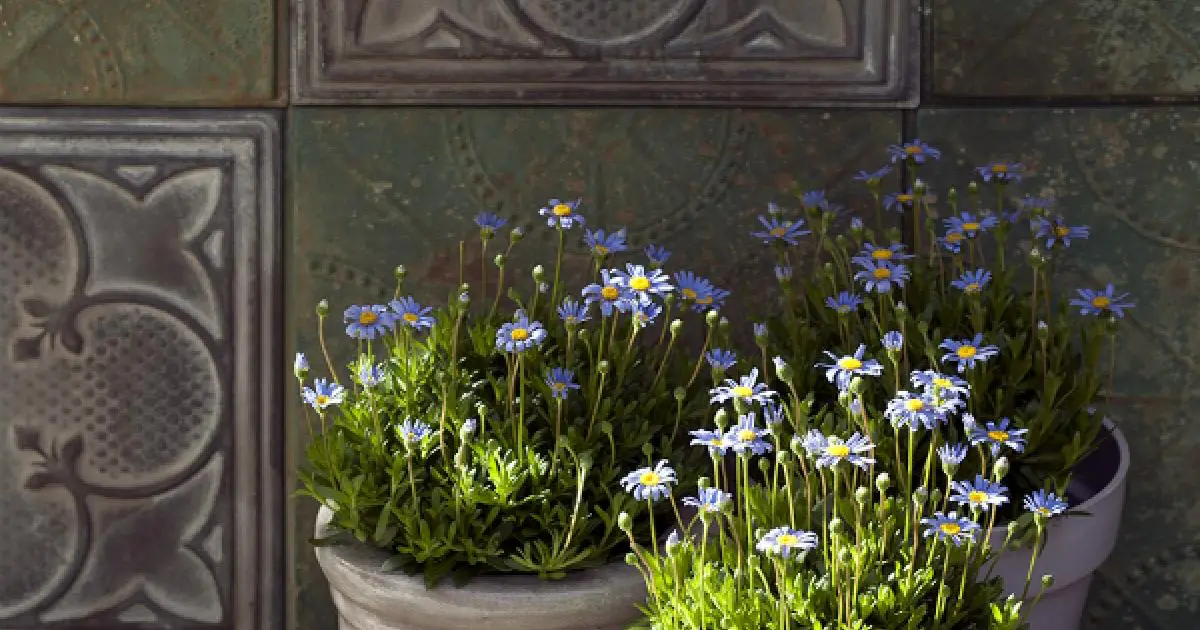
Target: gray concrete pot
(1075, 545)
(369, 599)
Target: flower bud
(461, 458)
(322, 308)
(676, 327)
(764, 465)
(500, 260)
(836, 525)
(669, 300)
(783, 370)
(515, 234)
(300, 367)
(625, 522)
(797, 446)
(603, 366)
(631, 559)
(704, 483)
(952, 197)
(539, 273)
(604, 427)
(712, 317)
(920, 496)
(720, 418)
(845, 556)
(935, 496)
(919, 188)
(973, 188)
(672, 541)
(648, 450)
(585, 461)
(856, 385)
(467, 429)
(828, 270)
(1000, 468)
(464, 298)
(783, 457)
(1047, 581)
(723, 325)
(862, 494)
(753, 561)
(680, 394)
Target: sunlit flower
(657, 255)
(1046, 504)
(711, 500)
(888, 253)
(844, 368)
(972, 282)
(409, 313)
(367, 322)
(967, 352)
(830, 450)
(324, 393)
(1057, 232)
(773, 413)
(996, 435)
(747, 437)
(952, 454)
(916, 151)
(971, 225)
(1001, 172)
(941, 386)
(746, 389)
(980, 494)
(786, 542)
(610, 293)
(643, 283)
(602, 244)
(644, 314)
(573, 312)
(561, 381)
(413, 432)
(845, 302)
(893, 341)
(950, 527)
(562, 214)
(717, 442)
(907, 409)
(650, 484)
(520, 334)
(720, 359)
(698, 292)
(881, 276)
(873, 177)
(1092, 302)
(369, 375)
(776, 229)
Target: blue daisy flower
(786, 542)
(952, 241)
(980, 494)
(562, 214)
(650, 484)
(643, 283)
(561, 381)
(644, 314)
(783, 273)
(760, 330)
(1036, 206)
(893, 341)
(602, 244)
(967, 352)
(973, 282)
(856, 224)
(693, 288)
(520, 334)
(844, 368)
(881, 276)
(300, 366)
(873, 177)
(950, 527)
(714, 300)
(369, 375)
(908, 409)
(610, 294)
(657, 255)
(573, 312)
(970, 225)
(845, 303)
(773, 413)
(324, 393)
(720, 359)
(746, 389)
(884, 253)
(995, 434)
(952, 454)
(814, 200)
(367, 322)
(413, 432)
(1092, 302)
(710, 500)
(1057, 232)
(748, 438)
(409, 313)
(899, 201)
(1045, 504)
(776, 229)
(941, 387)
(489, 222)
(916, 151)
(1001, 172)
(830, 450)
(717, 442)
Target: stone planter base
(369, 599)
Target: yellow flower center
(914, 404)
(1061, 231)
(998, 436)
(562, 210)
(639, 283)
(966, 352)
(366, 318)
(844, 309)
(650, 478)
(322, 400)
(882, 254)
(1044, 511)
(999, 168)
(882, 273)
(708, 299)
(746, 435)
(779, 232)
(410, 317)
(971, 226)
(954, 237)
(1101, 301)
(839, 451)
(558, 387)
(601, 250)
(904, 198)
(610, 293)
(741, 391)
(973, 287)
(519, 334)
(689, 293)
(849, 363)
(787, 540)
(716, 441)
(942, 382)
(976, 496)
(410, 436)
(913, 150)
(950, 529)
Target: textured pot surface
(1075, 545)
(369, 599)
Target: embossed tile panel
(138, 52)
(373, 188)
(1065, 48)
(139, 472)
(1132, 176)
(489, 52)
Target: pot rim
(1123, 461)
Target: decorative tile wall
(139, 469)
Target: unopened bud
(322, 308)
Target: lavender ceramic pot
(1075, 545)
(366, 598)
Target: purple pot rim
(1118, 478)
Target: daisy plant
(807, 521)
(970, 301)
(488, 434)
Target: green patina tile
(1065, 47)
(1132, 176)
(144, 52)
(371, 188)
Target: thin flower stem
(562, 238)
